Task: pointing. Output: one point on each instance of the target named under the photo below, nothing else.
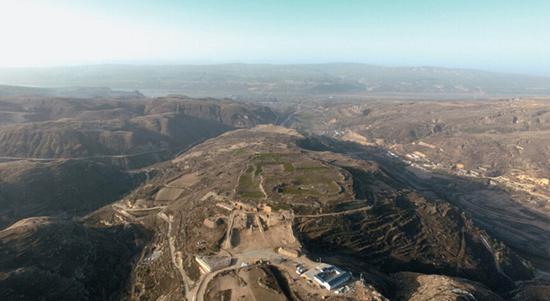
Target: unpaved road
(83, 157)
(227, 242)
(262, 187)
(335, 213)
(171, 244)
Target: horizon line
(211, 64)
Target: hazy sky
(509, 35)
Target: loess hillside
(249, 192)
(108, 195)
(133, 132)
(68, 156)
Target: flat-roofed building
(210, 264)
(328, 276)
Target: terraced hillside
(247, 193)
(501, 140)
(70, 156)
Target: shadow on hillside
(66, 260)
(491, 209)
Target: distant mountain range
(69, 92)
(277, 81)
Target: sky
(503, 35)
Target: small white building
(328, 276)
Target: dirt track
(177, 263)
(336, 213)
